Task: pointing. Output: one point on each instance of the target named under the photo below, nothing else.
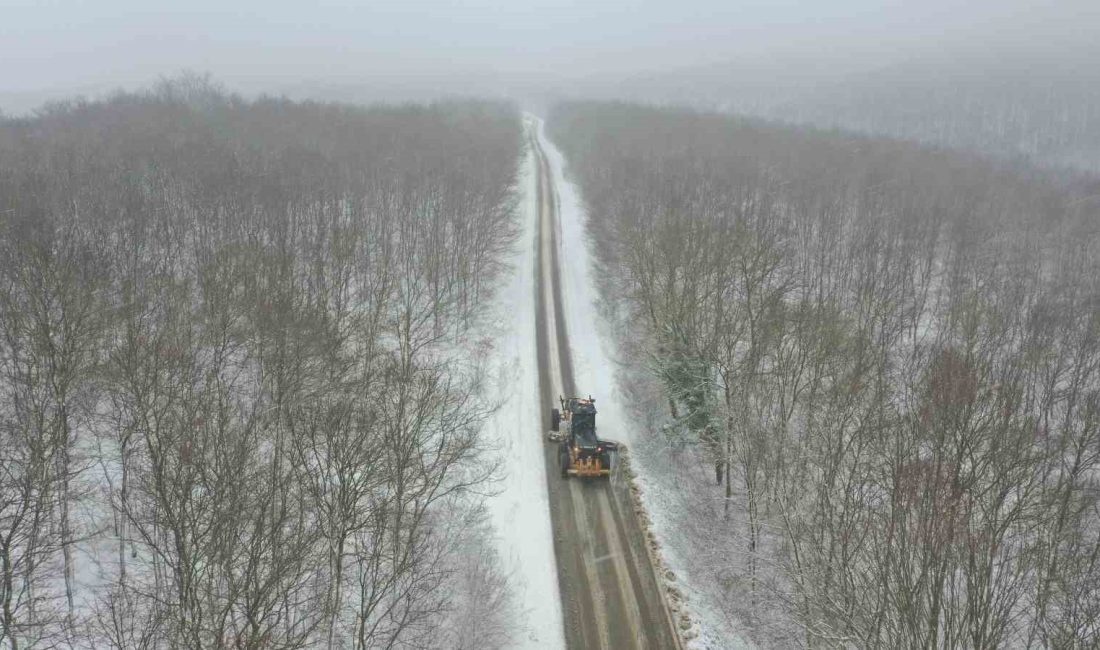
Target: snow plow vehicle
(581, 453)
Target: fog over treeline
(431, 47)
(1013, 77)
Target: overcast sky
(71, 45)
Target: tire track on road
(611, 597)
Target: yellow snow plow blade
(588, 467)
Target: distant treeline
(1042, 108)
(886, 356)
(1047, 113)
(230, 411)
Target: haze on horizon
(426, 48)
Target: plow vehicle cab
(581, 452)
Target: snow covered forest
(868, 375)
(1015, 105)
(1047, 112)
(231, 414)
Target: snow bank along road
(610, 594)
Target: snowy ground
(520, 511)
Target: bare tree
(888, 353)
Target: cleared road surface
(610, 594)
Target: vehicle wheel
(564, 456)
(555, 419)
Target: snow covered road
(610, 595)
(573, 547)
(520, 506)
